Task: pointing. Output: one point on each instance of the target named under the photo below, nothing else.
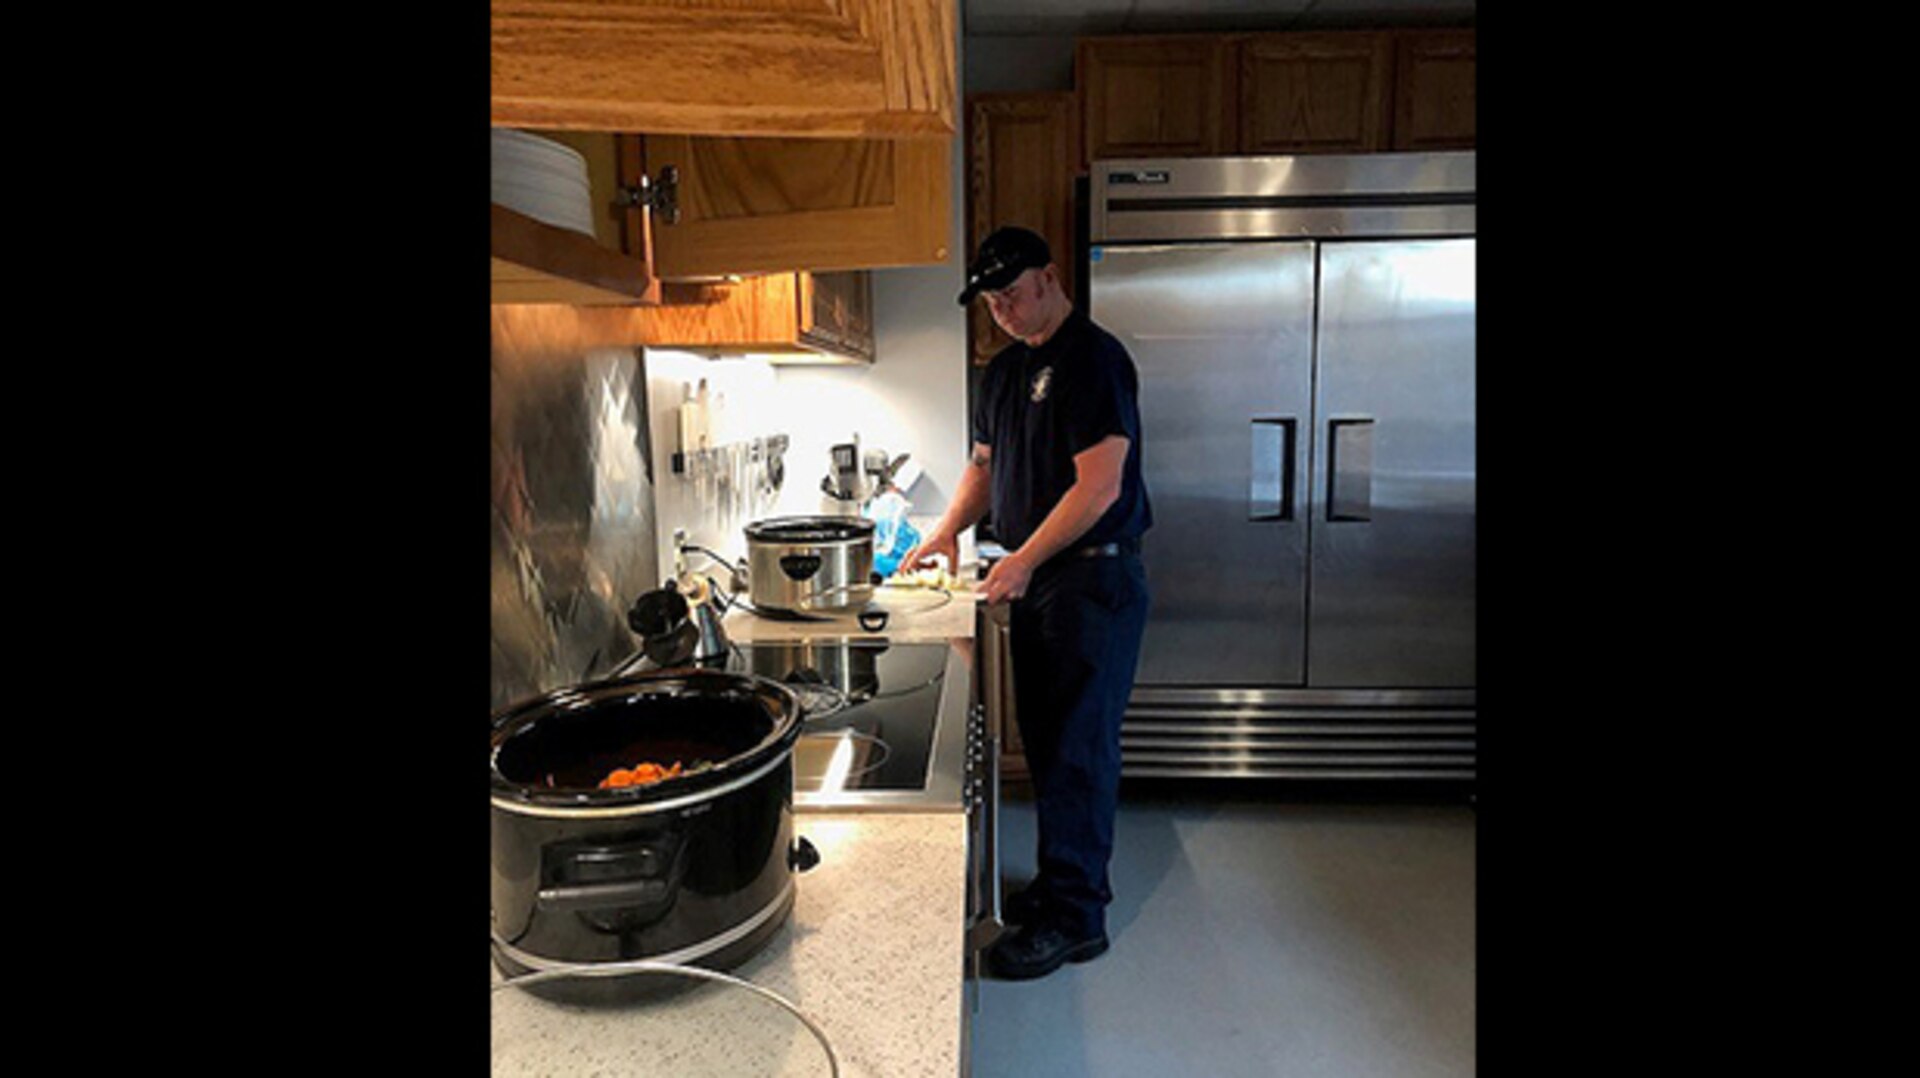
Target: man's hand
(938, 542)
(1007, 579)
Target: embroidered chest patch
(1041, 382)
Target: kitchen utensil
(708, 608)
(882, 469)
(776, 462)
(843, 482)
(677, 628)
(663, 619)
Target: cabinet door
(534, 262)
(840, 313)
(1022, 154)
(1314, 93)
(754, 205)
(1434, 76)
(1155, 96)
(850, 68)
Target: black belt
(1107, 550)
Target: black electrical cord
(640, 966)
(724, 563)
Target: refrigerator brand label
(1153, 175)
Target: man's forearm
(1076, 511)
(969, 501)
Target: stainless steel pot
(810, 565)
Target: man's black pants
(1075, 638)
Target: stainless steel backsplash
(573, 541)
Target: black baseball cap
(1003, 257)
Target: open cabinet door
(755, 205)
(537, 262)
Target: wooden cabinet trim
(534, 262)
(851, 68)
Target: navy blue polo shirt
(1039, 407)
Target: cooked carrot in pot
(639, 775)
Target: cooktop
(884, 724)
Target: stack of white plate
(543, 179)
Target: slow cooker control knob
(803, 856)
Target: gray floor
(1256, 938)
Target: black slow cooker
(697, 869)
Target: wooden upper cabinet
(1315, 93)
(743, 206)
(1022, 155)
(838, 313)
(806, 135)
(851, 68)
(787, 317)
(1202, 95)
(1155, 96)
(749, 205)
(1434, 91)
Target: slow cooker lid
(810, 530)
(554, 750)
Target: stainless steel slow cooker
(808, 565)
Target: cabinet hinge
(658, 195)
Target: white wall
(742, 396)
(912, 400)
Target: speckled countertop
(873, 953)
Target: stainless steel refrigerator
(1304, 333)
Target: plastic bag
(892, 535)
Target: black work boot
(1036, 950)
(1024, 907)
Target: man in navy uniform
(1056, 457)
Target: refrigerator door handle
(1349, 470)
(1270, 476)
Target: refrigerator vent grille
(1284, 740)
